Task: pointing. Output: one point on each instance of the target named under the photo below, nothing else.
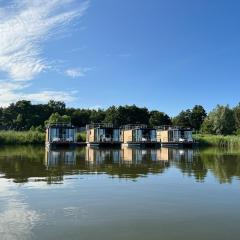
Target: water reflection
(23, 164)
(126, 162)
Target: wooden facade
(60, 135)
(103, 135)
(138, 135)
(173, 135)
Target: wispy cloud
(13, 91)
(24, 26)
(77, 72)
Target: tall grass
(218, 140)
(21, 138)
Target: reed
(230, 141)
(21, 138)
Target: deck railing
(170, 127)
(59, 124)
(99, 125)
(134, 126)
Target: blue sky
(163, 54)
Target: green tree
(56, 106)
(97, 116)
(57, 118)
(220, 121)
(159, 118)
(183, 119)
(236, 111)
(198, 114)
(112, 116)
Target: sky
(166, 55)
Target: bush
(81, 137)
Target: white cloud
(24, 26)
(77, 72)
(17, 219)
(12, 92)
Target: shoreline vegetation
(209, 140)
(38, 138)
(24, 123)
(29, 137)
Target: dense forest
(23, 115)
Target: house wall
(137, 135)
(153, 135)
(90, 135)
(127, 136)
(162, 136)
(98, 134)
(188, 136)
(47, 135)
(116, 135)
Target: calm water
(119, 194)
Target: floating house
(103, 134)
(138, 135)
(174, 136)
(61, 135)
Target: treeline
(23, 116)
(222, 120)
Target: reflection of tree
(225, 165)
(22, 163)
(188, 161)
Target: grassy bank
(21, 138)
(29, 137)
(218, 140)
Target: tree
(208, 125)
(57, 118)
(159, 118)
(133, 115)
(183, 119)
(80, 117)
(236, 112)
(56, 107)
(97, 116)
(220, 121)
(198, 114)
(112, 116)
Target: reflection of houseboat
(176, 154)
(103, 155)
(174, 136)
(104, 134)
(139, 155)
(60, 135)
(61, 157)
(139, 135)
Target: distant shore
(35, 137)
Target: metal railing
(99, 125)
(59, 124)
(134, 126)
(170, 127)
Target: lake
(119, 194)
